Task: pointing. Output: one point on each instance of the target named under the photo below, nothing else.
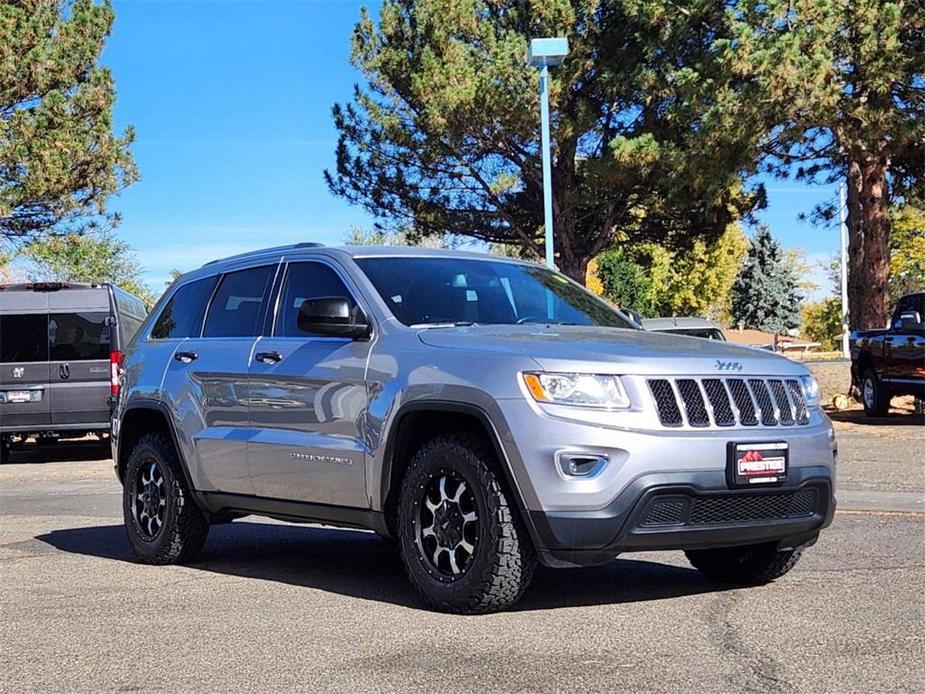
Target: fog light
(573, 464)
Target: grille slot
(719, 401)
(783, 404)
(665, 402)
(799, 404)
(693, 402)
(763, 398)
(744, 402)
(728, 402)
(711, 510)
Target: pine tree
(60, 160)
(444, 136)
(766, 295)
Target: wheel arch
(138, 419)
(440, 417)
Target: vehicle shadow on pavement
(361, 565)
(63, 452)
(900, 418)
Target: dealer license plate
(758, 463)
(19, 396)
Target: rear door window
(23, 338)
(182, 316)
(79, 336)
(239, 302)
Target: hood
(579, 348)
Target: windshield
(428, 291)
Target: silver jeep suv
(485, 413)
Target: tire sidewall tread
(505, 560)
(185, 527)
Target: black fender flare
(162, 409)
(427, 405)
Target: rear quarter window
(23, 338)
(183, 313)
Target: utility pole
(843, 232)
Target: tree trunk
(855, 244)
(869, 243)
(570, 260)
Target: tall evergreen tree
(766, 295)
(837, 90)
(59, 158)
(445, 139)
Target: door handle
(268, 357)
(186, 357)
(64, 371)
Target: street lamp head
(549, 52)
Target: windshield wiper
(448, 324)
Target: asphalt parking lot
(275, 607)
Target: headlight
(810, 390)
(586, 390)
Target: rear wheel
(463, 543)
(751, 565)
(163, 523)
(874, 397)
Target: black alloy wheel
(149, 507)
(447, 525)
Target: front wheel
(874, 397)
(163, 523)
(750, 565)
(462, 540)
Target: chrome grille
(726, 402)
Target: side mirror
(333, 317)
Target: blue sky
(231, 104)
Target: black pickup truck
(891, 362)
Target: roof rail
(266, 251)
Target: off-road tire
(879, 404)
(504, 560)
(749, 566)
(185, 528)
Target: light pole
(544, 53)
(843, 264)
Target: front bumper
(688, 510)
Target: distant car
(891, 362)
(60, 346)
(691, 327)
